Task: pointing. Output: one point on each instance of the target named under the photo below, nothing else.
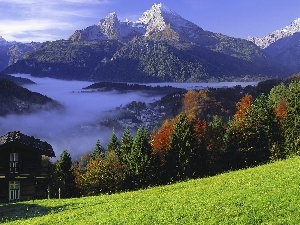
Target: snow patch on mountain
(269, 39)
(109, 28)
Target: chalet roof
(29, 141)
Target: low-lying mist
(72, 128)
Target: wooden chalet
(23, 173)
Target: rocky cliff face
(109, 28)
(155, 20)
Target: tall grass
(268, 194)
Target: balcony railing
(14, 167)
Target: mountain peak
(159, 22)
(156, 18)
(2, 39)
(157, 11)
(162, 8)
(112, 15)
(276, 35)
(111, 18)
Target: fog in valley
(76, 127)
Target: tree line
(264, 128)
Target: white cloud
(32, 30)
(38, 17)
(21, 26)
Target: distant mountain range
(283, 45)
(11, 52)
(161, 46)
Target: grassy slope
(267, 194)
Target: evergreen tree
(254, 137)
(277, 94)
(139, 159)
(183, 160)
(125, 146)
(215, 145)
(265, 140)
(98, 151)
(65, 176)
(113, 143)
(292, 119)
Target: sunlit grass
(267, 194)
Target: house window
(14, 190)
(13, 162)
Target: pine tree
(254, 137)
(277, 95)
(113, 143)
(215, 145)
(98, 151)
(139, 159)
(125, 146)
(183, 152)
(65, 176)
(292, 120)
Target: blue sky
(42, 20)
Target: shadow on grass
(19, 211)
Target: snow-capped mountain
(160, 46)
(282, 45)
(269, 39)
(159, 18)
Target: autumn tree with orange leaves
(242, 106)
(193, 102)
(160, 140)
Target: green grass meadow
(268, 194)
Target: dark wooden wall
(29, 166)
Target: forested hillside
(16, 99)
(264, 128)
(18, 80)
